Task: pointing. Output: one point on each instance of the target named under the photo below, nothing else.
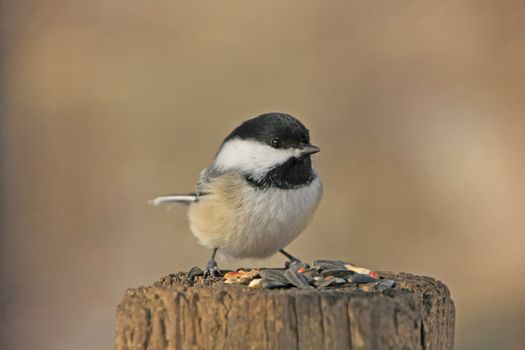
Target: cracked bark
(173, 314)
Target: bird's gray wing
(205, 178)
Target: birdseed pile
(322, 275)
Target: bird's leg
(211, 268)
(294, 262)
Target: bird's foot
(293, 262)
(212, 269)
(296, 265)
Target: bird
(257, 195)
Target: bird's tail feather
(184, 199)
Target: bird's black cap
(271, 126)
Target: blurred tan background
(418, 108)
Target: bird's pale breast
(244, 221)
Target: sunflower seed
(327, 282)
(194, 272)
(311, 273)
(271, 284)
(337, 273)
(330, 265)
(361, 278)
(274, 275)
(331, 281)
(357, 269)
(297, 279)
(386, 284)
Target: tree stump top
(178, 313)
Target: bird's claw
(212, 269)
(296, 264)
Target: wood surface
(175, 313)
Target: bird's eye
(277, 143)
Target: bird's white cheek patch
(250, 157)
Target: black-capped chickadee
(258, 194)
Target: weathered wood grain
(173, 314)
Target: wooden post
(174, 314)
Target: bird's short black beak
(309, 149)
